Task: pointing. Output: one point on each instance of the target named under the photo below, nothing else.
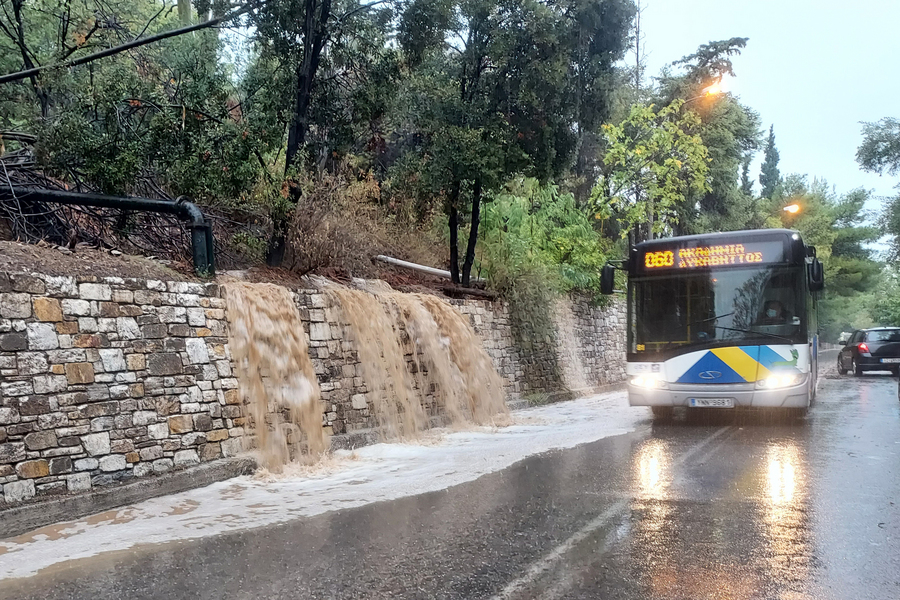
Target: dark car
(876, 349)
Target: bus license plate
(890, 360)
(712, 402)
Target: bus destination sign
(720, 255)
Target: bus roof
(720, 237)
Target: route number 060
(659, 259)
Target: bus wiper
(763, 333)
(710, 319)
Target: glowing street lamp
(707, 92)
(792, 208)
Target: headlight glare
(648, 381)
(780, 380)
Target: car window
(888, 335)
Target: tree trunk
(42, 95)
(314, 37)
(473, 233)
(454, 232)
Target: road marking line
(547, 562)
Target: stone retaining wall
(102, 381)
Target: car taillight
(863, 347)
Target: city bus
(721, 320)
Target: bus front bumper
(743, 396)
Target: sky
(812, 68)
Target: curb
(21, 519)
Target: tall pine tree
(769, 176)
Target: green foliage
(769, 176)
(879, 151)
(537, 245)
(654, 161)
(837, 227)
(532, 227)
(886, 301)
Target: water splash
(393, 330)
(275, 373)
(384, 369)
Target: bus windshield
(761, 305)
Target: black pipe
(202, 243)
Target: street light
(711, 90)
(792, 208)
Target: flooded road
(731, 505)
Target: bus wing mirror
(816, 275)
(607, 279)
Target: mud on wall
(106, 380)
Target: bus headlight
(649, 382)
(778, 381)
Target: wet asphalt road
(730, 505)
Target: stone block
(144, 417)
(60, 286)
(96, 444)
(358, 401)
(9, 415)
(42, 336)
(32, 363)
(41, 440)
(97, 391)
(33, 469)
(18, 491)
(196, 317)
(319, 332)
(75, 308)
(113, 360)
(109, 310)
(159, 431)
(181, 424)
(167, 363)
(136, 390)
(136, 362)
(26, 283)
(113, 462)
(13, 342)
(172, 314)
(86, 464)
(163, 465)
(100, 409)
(93, 340)
(99, 424)
(16, 388)
(50, 384)
(232, 447)
(15, 306)
(217, 435)
(78, 482)
(106, 325)
(95, 291)
(128, 328)
(197, 351)
(12, 452)
(202, 422)
(79, 373)
(180, 330)
(123, 296)
(210, 452)
(186, 458)
(47, 309)
(151, 453)
(60, 465)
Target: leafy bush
(532, 229)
